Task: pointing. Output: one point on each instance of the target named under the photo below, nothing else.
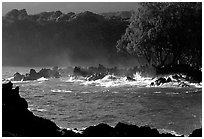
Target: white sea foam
(12, 80)
(36, 109)
(169, 131)
(113, 81)
(61, 91)
(172, 93)
(73, 79)
(85, 92)
(75, 130)
(41, 110)
(193, 91)
(21, 81)
(30, 109)
(42, 79)
(157, 92)
(115, 92)
(139, 81)
(197, 85)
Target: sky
(65, 7)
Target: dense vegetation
(165, 35)
(54, 38)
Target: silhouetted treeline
(55, 38)
(123, 14)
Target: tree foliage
(165, 33)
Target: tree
(165, 33)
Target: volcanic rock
(33, 75)
(130, 79)
(18, 120)
(18, 77)
(159, 81)
(79, 72)
(96, 76)
(196, 133)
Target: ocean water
(78, 103)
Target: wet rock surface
(18, 120)
(196, 133)
(180, 79)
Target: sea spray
(138, 80)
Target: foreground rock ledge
(17, 120)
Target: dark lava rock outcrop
(193, 74)
(80, 72)
(180, 79)
(96, 76)
(130, 79)
(17, 120)
(18, 77)
(196, 133)
(33, 75)
(122, 130)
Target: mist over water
(87, 39)
(84, 39)
(72, 58)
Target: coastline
(17, 120)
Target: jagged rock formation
(17, 120)
(193, 74)
(130, 79)
(80, 72)
(18, 77)
(33, 75)
(181, 79)
(178, 73)
(96, 76)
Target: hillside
(55, 38)
(123, 14)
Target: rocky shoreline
(18, 121)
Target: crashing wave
(74, 79)
(16, 81)
(22, 81)
(137, 80)
(169, 131)
(42, 79)
(60, 91)
(37, 109)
